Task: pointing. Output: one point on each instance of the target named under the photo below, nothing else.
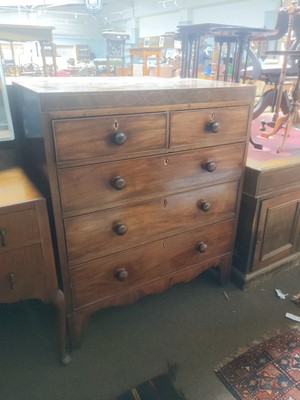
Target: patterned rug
(268, 371)
(159, 388)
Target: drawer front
(147, 176)
(83, 138)
(21, 274)
(105, 232)
(209, 127)
(18, 229)
(109, 276)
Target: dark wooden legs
(58, 300)
(224, 268)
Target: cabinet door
(278, 229)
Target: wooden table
(144, 53)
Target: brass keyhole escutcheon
(166, 161)
(165, 203)
(116, 125)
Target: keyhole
(163, 244)
(165, 203)
(166, 161)
(116, 125)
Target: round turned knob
(205, 205)
(121, 229)
(214, 126)
(118, 183)
(202, 247)
(210, 166)
(122, 274)
(119, 138)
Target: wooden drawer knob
(202, 247)
(210, 166)
(118, 183)
(119, 138)
(205, 205)
(121, 229)
(121, 274)
(214, 126)
(3, 237)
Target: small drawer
(209, 127)
(112, 136)
(18, 229)
(105, 232)
(146, 177)
(22, 274)
(125, 271)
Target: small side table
(144, 53)
(27, 268)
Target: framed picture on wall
(161, 41)
(147, 42)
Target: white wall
(244, 12)
(159, 24)
(247, 13)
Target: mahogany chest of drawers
(27, 269)
(143, 178)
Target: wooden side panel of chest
(27, 267)
(144, 195)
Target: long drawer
(210, 126)
(128, 270)
(83, 138)
(107, 231)
(89, 188)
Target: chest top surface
(56, 94)
(16, 188)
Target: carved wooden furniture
(288, 68)
(191, 37)
(144, 176)
(144, 53)
(115, 48)
(291, 117)
(269, 228)
(27, 269)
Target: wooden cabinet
(27, 269)
(268, 229)
(145, 181)
(82, 52)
